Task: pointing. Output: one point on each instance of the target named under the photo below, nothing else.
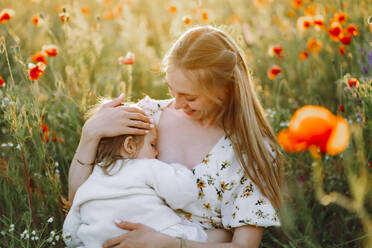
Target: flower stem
(28, 188)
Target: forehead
(179, 81)
(153, 134)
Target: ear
(129, 145)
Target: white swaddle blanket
(140, 190)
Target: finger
(113, 241)
(136, 131)
(134, 110)
(139, 117)
(115, 102)
(140, 124)
(130, 226)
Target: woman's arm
(141, 236)
(112, 119)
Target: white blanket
(140, 190)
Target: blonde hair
(214, 61)
(109, 148)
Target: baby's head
(126, 146)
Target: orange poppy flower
(311, 123)
(340, 17)
(37, 20)
(342, 50)
(316, 129)
(303, 23)
(274, 71)
(172, 8)
(36, 71)
(351, 29)
(64, 16)
(339, 138)
(291, 13)
(303, 55)
(276, 50)
(335, 30)
(314, 46)
(85, 10)
(128, 59)
(319, 22)
(353, 82)
(290, 143)
(186, 20)
(6, 15)
(39, 57)
(2, 81)
(204, 16)
(297, 4)
(50, 50)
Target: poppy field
(311, 62)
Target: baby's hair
(110, 148)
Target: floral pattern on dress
(227, 196)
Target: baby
(128, 183)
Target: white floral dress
(227, 196)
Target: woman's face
(188, 97)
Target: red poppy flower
(274, 71)
(353, 82)
(39, 57)
(351, 30)
(276, 50)
(50, 50)
(335, 30)
(36, 71)
(37, 20)
(186, 20)
(2, 81)
(346, 40)
(297, 4)
(341, 108)
(6, 15)
(44, 132)
(129, 59)
(318, 22)
(303, 55)
(303, 23)
(342, 50)
(64, 16)
(341, 17)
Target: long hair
(213, 61)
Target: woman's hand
(140, 236)
(112, 119)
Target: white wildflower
(50, 220)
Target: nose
(180, 103)
(156, 154)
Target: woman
(213, 98)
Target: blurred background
(57, 57)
